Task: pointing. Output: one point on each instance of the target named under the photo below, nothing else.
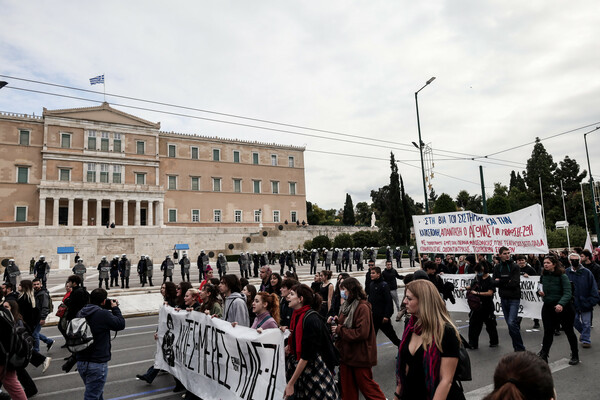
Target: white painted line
(480, 393)
(109, 367)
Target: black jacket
(380, 299)
(509, 280)
(101, 322)
(78, 298)
(390, 276)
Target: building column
(55, 211)
(71, 212)
(42, 212)
(138, 212)
(111, 214)
(98, 212)
(125, 212)
(84, 212)
(150, 214)
(160, 213)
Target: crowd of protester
(332, 344)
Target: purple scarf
(431, 359)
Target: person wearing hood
(585, 297)
(235, 310)
(92, 363)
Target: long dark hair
(354, 288)
(522, 375)
(343, 276)
(170, 293)
(310, 298)
(277, 288)
(14, 310)
(558, 266)
(252, 290)
(213, 297)
(183, 286)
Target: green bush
(343, 240)
(321, 241)
(308, 244)
(366, 239)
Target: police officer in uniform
(221, 265)
(167, 267)
(202, 262)
(185, 267)
(79, 269)
(103, 272)
(114, 271)
(11, 272)
(124, 271)
(40, 270)
(149, 269)
(142, 270)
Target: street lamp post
(421, 143)
(596, 225)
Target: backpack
(18, 350)
(78, 335)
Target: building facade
(92, 167)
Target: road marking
(109, 367)
(62, 285)
(118, 336)
(133, 348)
(480, 393)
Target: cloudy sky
(506, 72)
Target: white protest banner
(214, 360)
(467, 232)
(531, 303)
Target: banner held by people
(212, 359)
(531, 303)
(521, 231)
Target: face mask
(574, 263)
(343, 295)
(480, 274)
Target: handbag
(463, 368)
(61, 311)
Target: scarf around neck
(431, 359)
(296, 327)
(347, 309)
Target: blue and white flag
(97, 79)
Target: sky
(506, 72)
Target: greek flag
(97, 79)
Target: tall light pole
(596, 225)
(421, 143)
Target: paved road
(133, 352)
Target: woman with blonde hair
(428, 352)
(266, 308)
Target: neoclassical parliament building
(99, 166)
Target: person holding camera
(102, 315)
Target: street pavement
(133, 352)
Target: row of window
(105, 141)
(237, 185)
(103, 172)
(21, 215)
(237, 216)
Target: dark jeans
(476, 321)
(165, 278)
(386, 328)
(184, 274)
(552, 320)
(105, 282)
(125, 282)
(94, 377)
(510, 308)
(151, 374)
(114, 280)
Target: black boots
(543, 355)
(574, 359)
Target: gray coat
(236, 309)
(104, 269)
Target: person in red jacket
(356, 341)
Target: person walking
(42, 303)
(310, 364)
(585, 297)
(8, 376)
(390, 276)
(558, 309)
(266, 308)
(507, 278)
(326, 291)
(381, 303)
(235, 309)
(92, 363)
(356, 341)
(428, 353)
(482, 311)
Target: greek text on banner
(214, 360)
(465, 232)
(530, 306)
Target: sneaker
(574, 359)
(141, 378)
(586, 345)
(46, 364)
(50, 345)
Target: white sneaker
(46, 364)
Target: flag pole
(104, 86)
